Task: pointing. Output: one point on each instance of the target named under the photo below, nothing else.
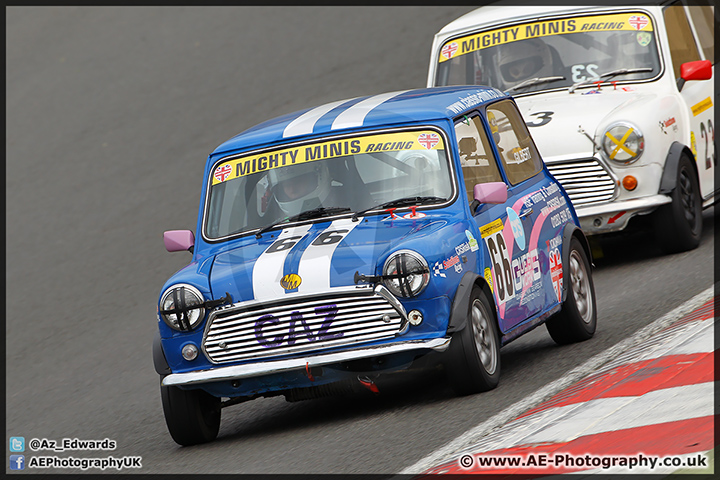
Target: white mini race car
(619, 100)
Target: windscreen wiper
(535, 81)
(400, 202)
(307, 215)
(613, 73)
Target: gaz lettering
(296, 329)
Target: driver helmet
(300, 187)
(425, 172)
(519, 61)
(424, 162)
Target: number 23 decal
(708, 134)
(543, 117)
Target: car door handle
(527, 212)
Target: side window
(682, 44)
(702, 18)
(476, 157)
(518, 154)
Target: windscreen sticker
(491, 38)
(644, 38)
(389, 142)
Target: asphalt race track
(110, 115)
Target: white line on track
(470, 437)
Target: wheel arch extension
(459, 309)
(669, 175)
(159, 360)
(569, 232)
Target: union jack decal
(449, 50)
(428, 140)
(638, 21)
(221, 173)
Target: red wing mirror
(698, 70)
(492, 192)
(179, 240)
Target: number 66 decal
(324, 239)
(504, 286)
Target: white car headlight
(406, 273)
(623, 143)
(182, 307)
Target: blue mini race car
(348, 240)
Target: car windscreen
(251, 191)
(550, 54)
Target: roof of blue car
(369, 112)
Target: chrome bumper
(614, 216)
(278, 366)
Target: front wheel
(192, 416)
(678, 225)
(577, 320)
(474, 356)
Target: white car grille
(586, 182)
(301, 324)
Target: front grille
(300, 324)
(586, 181)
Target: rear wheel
(678, 225)
(577, 320)
(192, 416)
(474, 356)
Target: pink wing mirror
(179, 240)
(493, 192)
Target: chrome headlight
(406, 273)
(623, 143)
(182, 307)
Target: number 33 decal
(543, 117)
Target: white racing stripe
(305, 123)
(355, 115)
(268, 269)
(316, 261)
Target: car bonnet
(314, 258)
(557, 119)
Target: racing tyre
(577, 320)
(192, 416)
(474, 356)
(678, 225)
